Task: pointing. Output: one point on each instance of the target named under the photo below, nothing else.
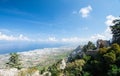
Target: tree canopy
(116, 30)
(89, 46)
(14, 61)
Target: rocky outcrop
(9, 72)
(22, 72)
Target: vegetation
(27, 72)
(89, 46)
(14, 61)
(106, 62)
(116, 31)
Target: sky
(24, 22)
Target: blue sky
(56, 21)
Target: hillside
(102, 59)
(37, 57)
(104, 62)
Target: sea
(13, 49)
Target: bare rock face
(46, 74)
(103, 43)
(63, 64)
(22, 72)
(9, 72)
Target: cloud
(79, 39)
(92, 38)
(98, 36)
(107, 34)
(21, 37)
(73, 39)
(13, 38)
(85, 11)
(49, 39)
(109, 20)
(53, 39)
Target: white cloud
(21, 37)
(85, 11)
(53, 39)
(49, 39)
(13, 38)
(107, 34)
(97, 36)
(92, 38)
(76, 40)
(104, 36)
(109, 20)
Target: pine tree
(14, 61)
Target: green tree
(14, 61)
(84, 48)
(110, 57)
(89, 46)
(75, 68)
(116, 48)
(102, 50)
(114, 71)
(116, 31)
